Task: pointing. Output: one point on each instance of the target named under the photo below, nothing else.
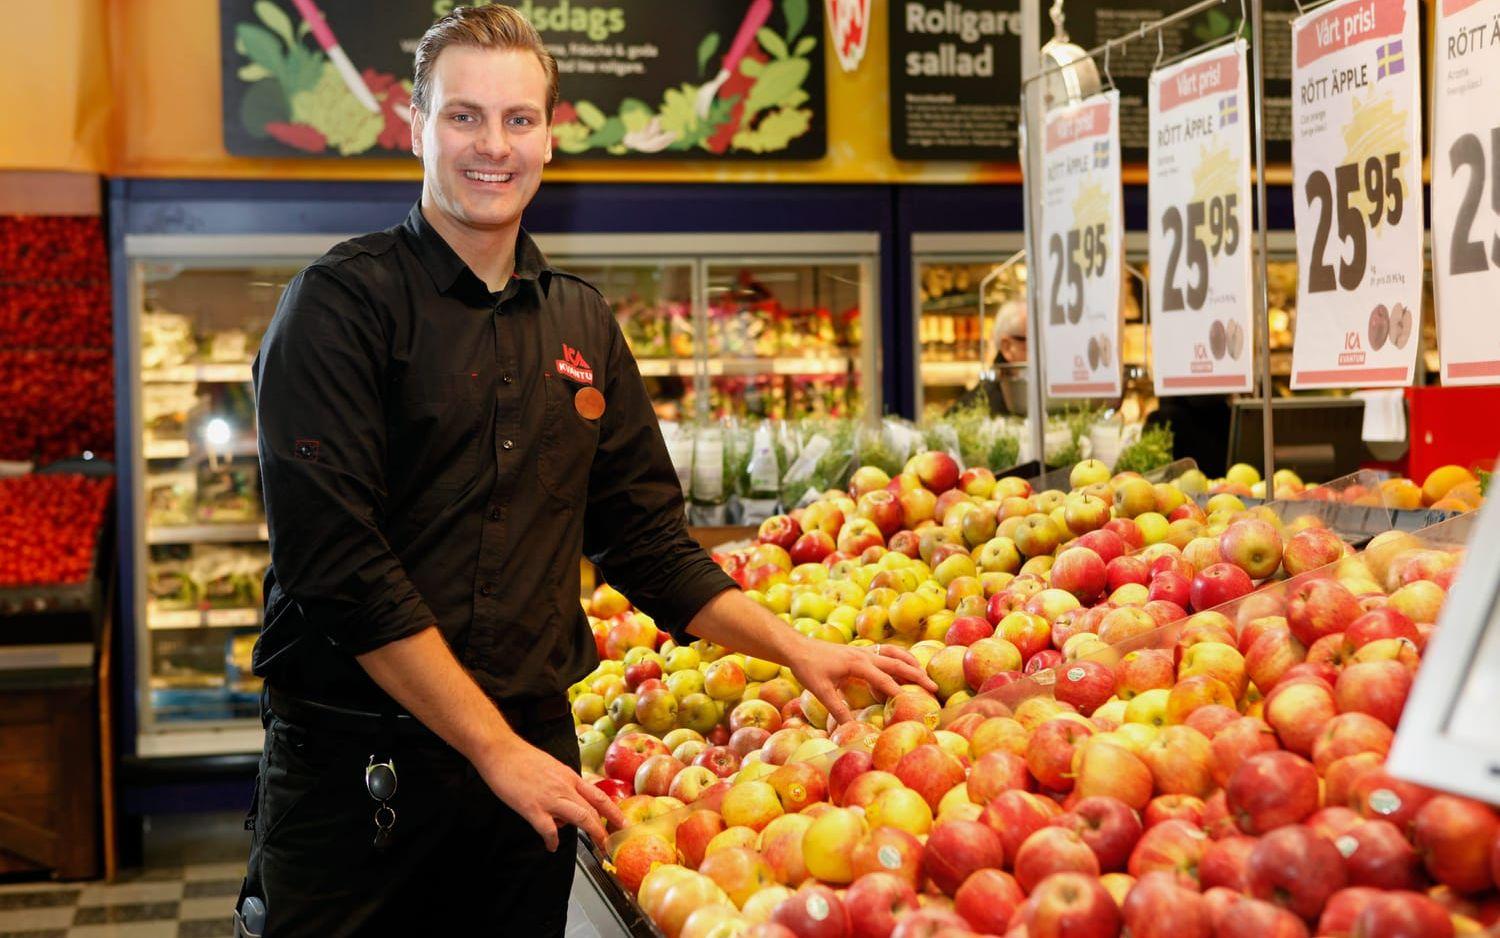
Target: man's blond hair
(492, 26)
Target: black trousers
(458, 859)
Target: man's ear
(418, 119)
(547, 155)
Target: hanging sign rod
(1137, 34)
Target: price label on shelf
(1201, 311)
(1466, 189)
(1357, 194)
(1081, 236)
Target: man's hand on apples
(822, 668)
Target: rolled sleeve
(635, 527)
(319, 404)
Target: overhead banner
(1201, 308)
(955, 79)
(1466, 189)
(1357, 196)
(641, 79)
(1081, 237)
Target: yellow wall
(54, 69)
(168, 124)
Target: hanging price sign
(1357, 194)
(1466, 189)
(1201, 313)
(1081, 232)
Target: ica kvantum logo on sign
(850, 22)
(572, 365)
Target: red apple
(988, 899)
(1124, 570)
(1014, 816)
(955, 849)
(812, 547)
(1455, 837)
(1237, 742)
(1085, 684)
(1271, 654)
(1226, 863)
(845, 769)
(1158, 906)
(1173, 846)
(814, 911)
(937, 471)
(888, 850)
(1295, 868)
(1142, 670)
(1378, 688)
(1109, 545)
(1380, 623)
(1171, 586)
(1381, 795)
(1376, 854)
(746, 740)
(1344, 906)
(1333, 821)
(875, 901)
(1174, 807)
(1310, 549)
(780, 530)
(1252, 918)
(931, 772)
(1320, 607)
(625, 755)
(1298, 712)
(1070, 905)
(1049, 753)
(1270, 790)
(1209, 720)
(1402, 915)
(882, 508)
(1348, 734)
(996, 772)
(1108, 826)
(1217, 584)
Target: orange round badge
(589, 403)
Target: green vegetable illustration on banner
(639, 78)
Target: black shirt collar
(448, 270)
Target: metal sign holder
(1032, 115)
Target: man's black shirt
(425, 462)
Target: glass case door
(787, 338)
(202, 548)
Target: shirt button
(507, 445)
(507, 379)
(495, 513)
(485, 589)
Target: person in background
(447, 422)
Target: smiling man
(446, 422)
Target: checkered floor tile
(193, 901)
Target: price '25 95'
(1091, 243)
(1223, 234)
(1467, 256)
(1379, 179)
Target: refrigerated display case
(745, 325)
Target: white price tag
(1357, 194)
(1466, 189)
(1201, 310)
(1081, 239)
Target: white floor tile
(36, 919)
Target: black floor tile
(51, 899)
(207, 928)
(210, 888)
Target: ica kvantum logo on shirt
(573, 366)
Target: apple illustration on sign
(1380, 327)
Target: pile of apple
(1101, 790)
(1223, 777)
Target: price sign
(1081, 235)
(1357, 194)
(1201, 312)
(1466, 189)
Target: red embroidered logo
(572, 365)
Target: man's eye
(463, 118)
(521, 120)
